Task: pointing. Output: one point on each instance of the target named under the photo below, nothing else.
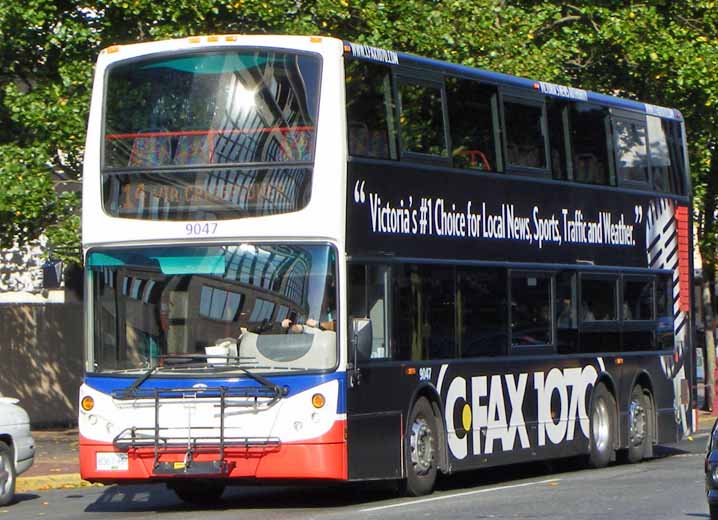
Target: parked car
(17, 447)
(711, 470)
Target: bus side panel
(502, 410)
(374, 445)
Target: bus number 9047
(198, 229)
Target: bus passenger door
(374, 421)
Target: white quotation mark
(638, 210)
(359, 192)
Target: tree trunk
(710, 364)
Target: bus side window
(559, 139)
(531, 309)
(664, 312)
(473, 123)
(377, 305)
(566, 309)
(482, 311)
(422, 118)
(665, 154)
(637, 300)
(525, 134)
(631, 150)
(598, 299)
(370, 110)
(423, 318)
(368, 297)
(589, 126)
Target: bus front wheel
(421, 449)
(603, 427)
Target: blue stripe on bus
(295, 383)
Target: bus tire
(651, 425)
(638, 430)
(602, 427)
(421, 449)
(7, 474)
(198, 491)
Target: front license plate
(112, 462)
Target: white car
(17, 447)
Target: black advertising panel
(399, 210)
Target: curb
(43, 483)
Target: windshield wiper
(144, 376)
(278, 390)
(139, 380)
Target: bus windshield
(214, 134)
(259, 307)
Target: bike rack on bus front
(151, 437)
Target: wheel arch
(7, 439)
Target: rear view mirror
(361, 339)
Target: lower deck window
(530, 309)
(422, 311)
(598, 299)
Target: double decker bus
(315, 260)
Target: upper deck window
(631, 150)
(240, 126)
(473, 122)
(525, 134)
(589, 144)
(664, 143)
(422, 118)
(370, 110)
(209, 108)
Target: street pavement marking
(456, 495)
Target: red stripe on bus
(324, 457)
(207, 133)
(683, 257)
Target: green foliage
(25, 194)
(660, 51)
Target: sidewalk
(57, 465)
(56, 462)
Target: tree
(659, 51)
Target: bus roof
(400, 58)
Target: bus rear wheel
(639, 420)
(421, 449)
(602, 427)
(198, 491)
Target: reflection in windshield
(266, 306)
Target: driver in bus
(327, 319)
(310, 326)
